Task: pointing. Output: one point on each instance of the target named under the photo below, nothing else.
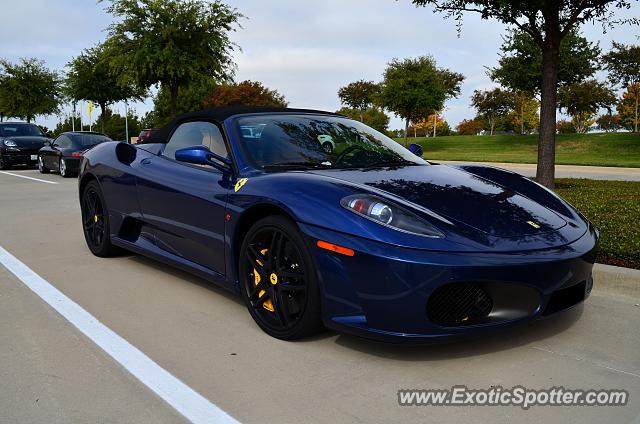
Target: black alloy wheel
(95, 221)
(278, 282)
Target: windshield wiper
(297, 165)
(391, 162)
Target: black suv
(20, 143)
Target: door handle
(145, 161)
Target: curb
(616, 280)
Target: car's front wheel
(43, 169)
(278, 280)
(95, 222)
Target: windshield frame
(235, 127)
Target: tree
(28, 89)
(171, 42)
(373, 117)
(492, 105)
(469, 127)
(623, 64)
(359, 95)
(245, 93)
(191, 99)
(628, 107)
(520, 65)
(523, 118)
(582, 101)
(415, 87)
(608, 122)
(426, 125)
(548, 22)
(89, 78)
(565, 127)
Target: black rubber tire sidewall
(105, 249)
(311, 322)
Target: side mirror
(416, 149)
(200, 155)
(48, 143)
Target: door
(51, 156)
(184, 203)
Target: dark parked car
(63, 155)
(146, 134)
(20, 143)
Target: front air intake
(459, 304)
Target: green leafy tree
(548, 22)
(115, 125)
(492, 105)
(245, 93)
(28, 89)
(520, 64)
(90, 78)
(623, 64)
(171, 42)
(359, 95)
(373, 117)
(583, 100)
(415, 87)
(627, 107)
(524, 117)
(191, 99)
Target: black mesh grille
(459, 304)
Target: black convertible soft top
(220, 114)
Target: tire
(43, 169)
(95, 222)
(279, 289)
(64, 172)
(3, 164)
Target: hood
(461, 197)
(28, 142)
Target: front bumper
(22, 157)
(383, 292)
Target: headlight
(386, 213)
(10, 143)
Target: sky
(304, 49)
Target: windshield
(20, 130)
(314, 141)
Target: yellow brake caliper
(267, 304)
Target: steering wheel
(348, 150)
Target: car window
(62, 142)
(19, 130)
(89, 140)
(196, 134)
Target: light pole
(126, 121)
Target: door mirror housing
(416, 149)
(200, 155)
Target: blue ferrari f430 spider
(317, 220)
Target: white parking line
(28, 178)
(181, 397)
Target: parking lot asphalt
(50, 372)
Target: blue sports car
(317, 220)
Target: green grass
(614, 207)
(599, 149)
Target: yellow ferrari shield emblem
(533, 224)
(241, 182)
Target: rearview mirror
(200, 155)
(416, 149)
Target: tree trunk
(545, 173)
(522, 117)
(103, 117)
(28, 119)
(492, 124)
(174, 99)
(635, 125)
(362, 116)
(415, 132)
(406, 131)
(435, 122)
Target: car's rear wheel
(43, 169)
(95, 221)
(64, 171)
(278, 280)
